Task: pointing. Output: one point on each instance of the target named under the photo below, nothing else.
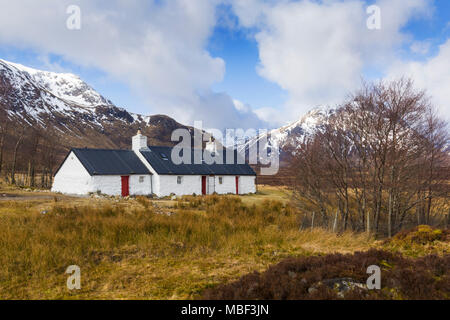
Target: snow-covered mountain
(65, 104)
(64, 86)
(290, 135)
(40, 95)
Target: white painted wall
(72, 177)
(247, 184)
(165, 185)
(112, 185)
(228, 184)
(210, 184)
(140, 188)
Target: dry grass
(147, 249)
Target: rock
(342, 285)
(339, 285)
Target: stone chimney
(139, 142)
(211, 146)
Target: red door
(203, 185)
(237, 185)
(125, 186)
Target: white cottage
(147, 170)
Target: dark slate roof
(110, 162)
(160, 159)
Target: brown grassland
(158, 249)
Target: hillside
(44, 114)
(284, 141)
(78, 114)
(290, 135)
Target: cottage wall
(247, 184)
(112, 185)
(140, 188)
(228, 184)
(166, 185)
(72, 177)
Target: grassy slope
(151, 250)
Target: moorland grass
(138, 249)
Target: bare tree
(379, 156)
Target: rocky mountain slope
(72, 110)
(288, 136)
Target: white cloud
(432, 75)
(319, 50)
(158, 48)
(316, 50)
(420, 47)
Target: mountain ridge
(73, 108)
(287, 137)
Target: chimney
(139, 141)
(211, 146)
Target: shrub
(422, 234)
(310, 278)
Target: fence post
(312, 221)
(368, 223)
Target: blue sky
(214, 53)
(240, 52)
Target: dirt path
(7, 196)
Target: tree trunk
(13, 168)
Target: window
(220, 180)
(179, 179)
(141, 179)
